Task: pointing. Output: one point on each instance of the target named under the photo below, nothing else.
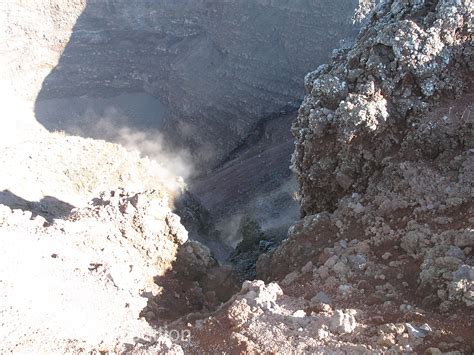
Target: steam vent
(237, 177)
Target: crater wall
(217, 66)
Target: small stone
(323, 271)
(331, 281)
(324, 256)
(307, 268)
(397, 328)
(405, 307)
(344, 180)
(320, 307)
(386, 256)
(464, 272)
(358, 207)
(292, 276)
(386, 340)
(344, 289)
(465, 239)
(322, 297)
(358, 261)
(456, 252)
(323, 334)
(340, 268)
(418, 332)
(331, 261)
(342, 322)
(426, 327)
(299, 314)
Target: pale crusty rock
(87, 274)
(342, 322)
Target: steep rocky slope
(369, 106)
(33, 36)
(79, 285)
(255, 182)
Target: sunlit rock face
(33, 35)
(216, 66)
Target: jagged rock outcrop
(367, 105)
(261, 318)
(384, 159)
(97, 276)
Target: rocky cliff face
(384, 159)
(218, 66)
(366, 108)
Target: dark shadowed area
(48, 207)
